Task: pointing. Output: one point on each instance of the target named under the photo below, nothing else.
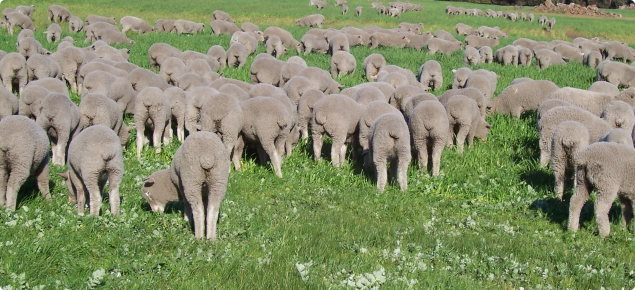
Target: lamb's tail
(320, 118)
(282, 122)
(206, 161)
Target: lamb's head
(483, 129)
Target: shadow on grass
(29, 191)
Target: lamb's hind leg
(627, 210)
(115, 174)
(581, 195)
(603, 202)
(276, 163)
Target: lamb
(471, 93)
(320, 4)
(60, 118)
(619, 114)
(339, 42)
(172, 69)
(223, 27)
(466, 121)
(460, 77)
(548, 105)
(447, 47)
(98, 66)
(266, 122)
(478, 41)
(389, 140)
(617, 73)
(152, 116)
(442, 34)
(113, 37)
(482, 83)
(164, 25)
(605, 88)
(236, 55)
(23, 154)
(53, 33)
(274, 45)
(490, 32)
(131, 23)
(222, 15)
(288, 71)
(177, 98)
(368, 94)
(223, 115)
(18, 19)
(358, 11)
(217, 52)
(158, 52)
(234, 91)
(591, 101)
(550, 23)
(430, 75)
(372, 112)
(395, 79)
(200, 163)
(193, 104)
(58, 13)
(305, 109)
(296, 87)
(524, 56)
(464, 29)
(75, 24)
(249, 27)
(387, 40)
(190, 27)
(25, 33)
(339, 2)
(546, 58)
(30, 46)
(569, 138)
(266, 70)
(265, 90)
(285, 36)
(311, 43)
(118, 89)
(13, 69)
(486, 54)
(159, 190)
(190, 81)
(615, 49)
(372, 65)
(141, 78)
(312, 20)
(592, 59)
(90, 19)
(619, 136)
(321, 80)
(94, 157)
(604, 167)
(522, 97)
(471, 56)
(9, 104)
(530, 17)
(342, 63)
(430, 126)
(91, 30)
(249, 41)
(507, 55)
(418, 42)
(26, 10)
(201, 68)
(189, 56)
(337, 116)
(98, 109)
(542, 19)
(550, 119)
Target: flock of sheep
(288, 100)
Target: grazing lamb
(440, 45)
(507, 55)
(471, 93)
(522, 97)
(550, 120)
(98, 109)
(9, 104)
(177, 98)
(53, 32)
(617, 73)
(152, 118)
(321, 80)
(236, 55)
(605, 88)
(223, 115)
(30, 46)
(342, 63)
(60, 119)
(372, 65)
(23, 154)
(18, 19)
(569, 138)
(430, 75)
(337, 116)
(487, 56)
(75, 24)
(305, 109)
(13, 70)
(338, 42)
(26, 10)
(223, 27)
(159, 190)
(605, 168)
(358, 11)
(222, 15)
(460, 77)
(525, 55)
(478, 41)
(118, 89)
(285, 36)
(311, 43)
(466, 121)
(267, 123)
(311, 20)
(471, 56)
(371, 112)
(131, 23)
(387, 40)
(591, 101)
(619, 114)
(389, 140)
(550, 23)
(172, 69)
(199, 164)
(546, 58)
(188, 27)
(592, 59)
(158, 52)
(430, 126)
(90, 19)
(94, 157)
(274, 45)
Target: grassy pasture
(489, 221)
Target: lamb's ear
(454, 71)
(148, 182)
(64, 175)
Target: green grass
(488, 221)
